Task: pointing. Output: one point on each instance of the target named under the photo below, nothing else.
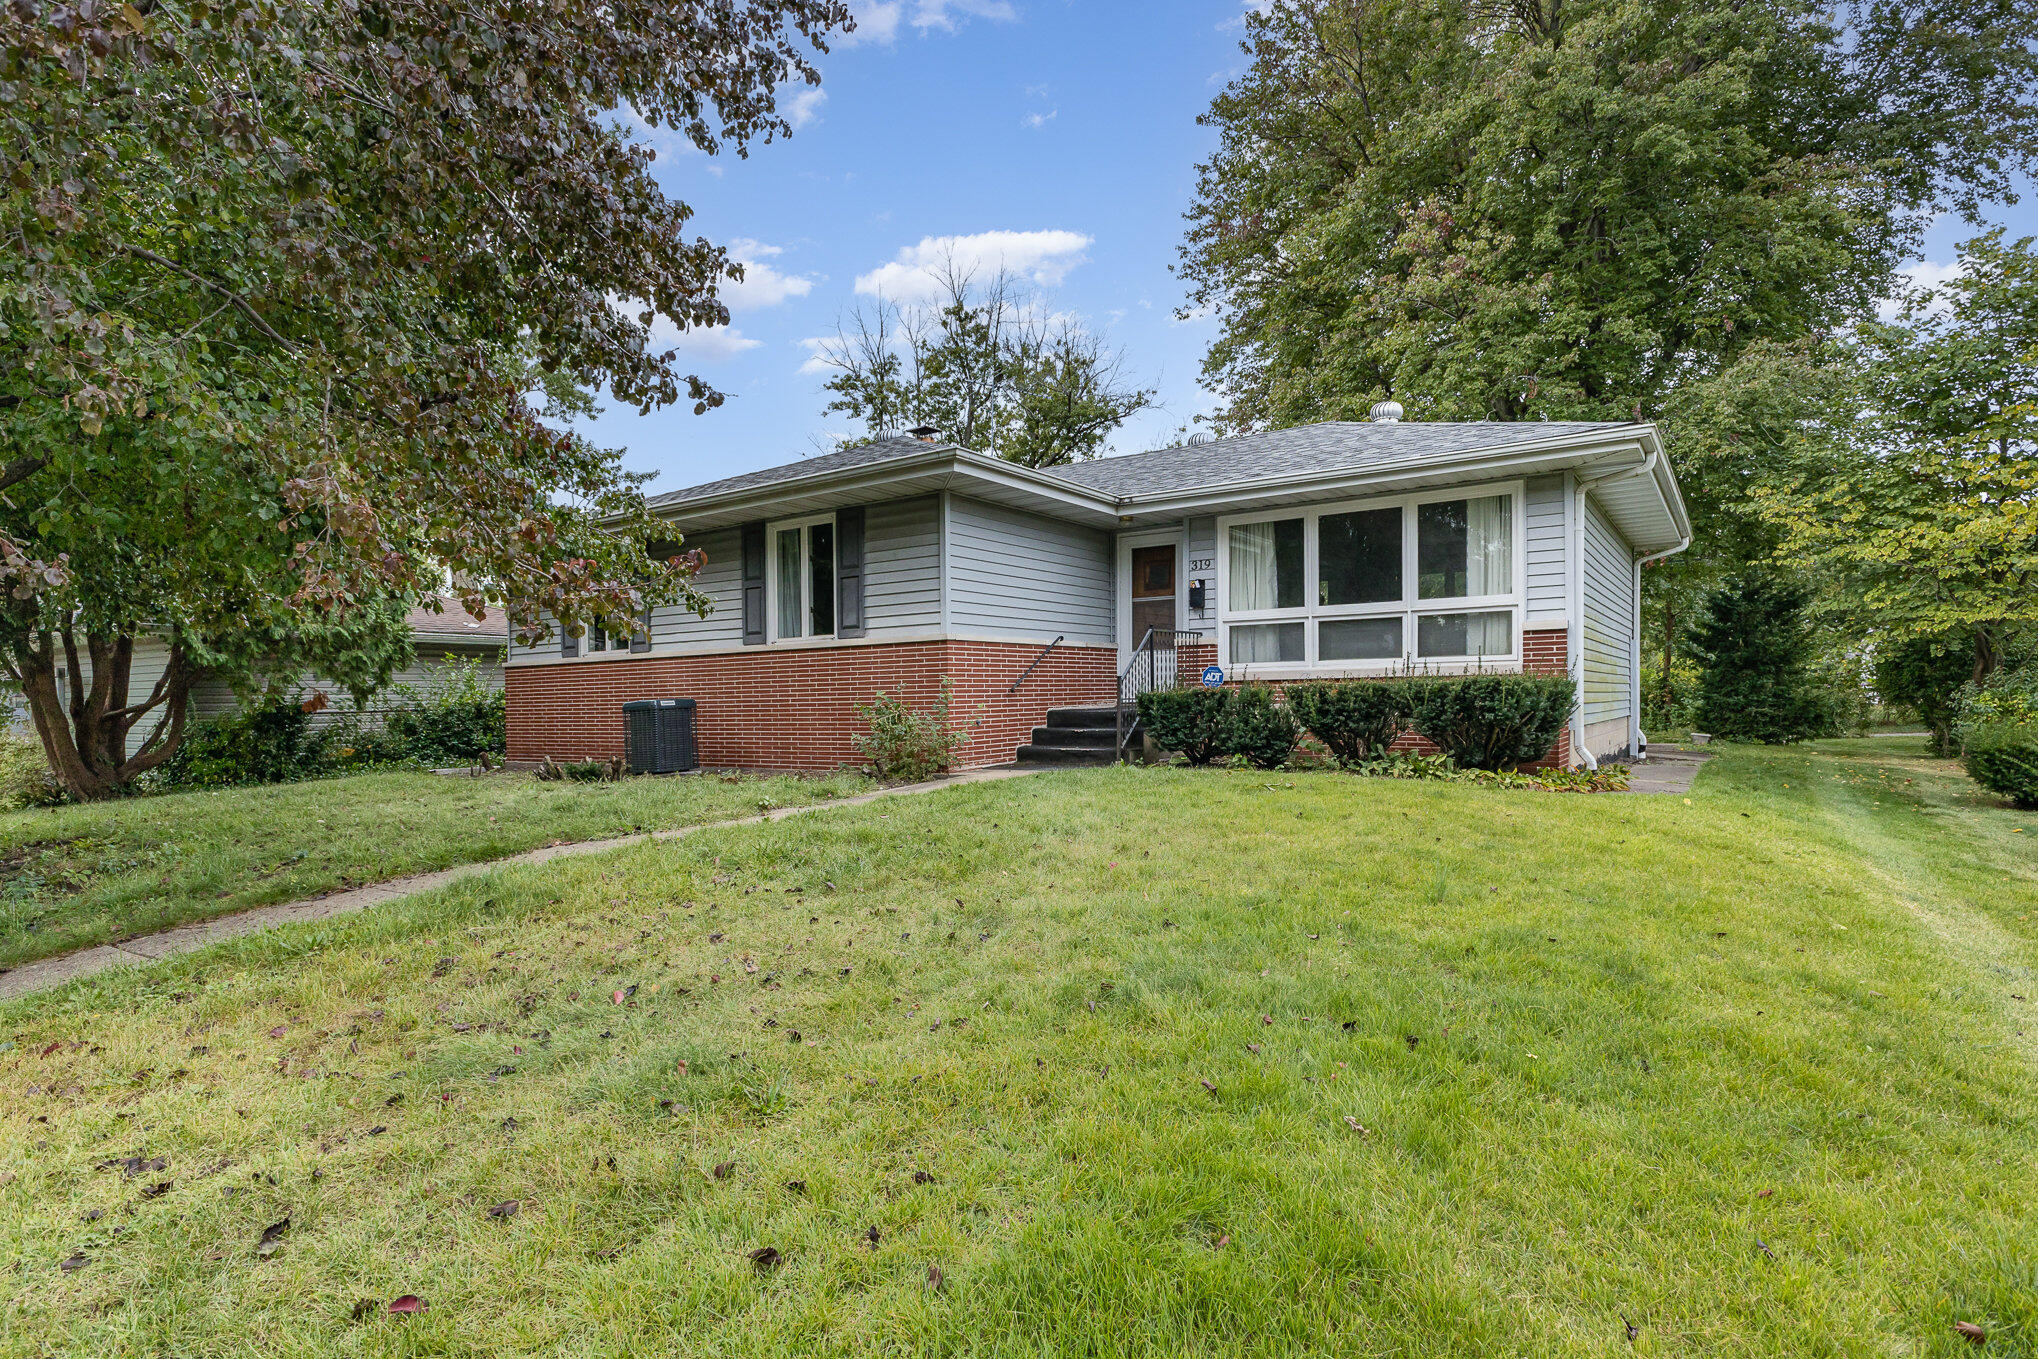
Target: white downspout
(1639, 742)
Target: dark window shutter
(849, 572)
(569, 641)
(640, 640)
(753, 584)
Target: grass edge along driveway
(1093, 1046)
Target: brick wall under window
(796, 709)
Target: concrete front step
(1101, 737)
(1065, 755)
(1082, 717)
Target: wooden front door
(1153, 590)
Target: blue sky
(1057, 137)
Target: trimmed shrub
(1260, 728)
(903, 744)
(1356, 719)
(1196, 723)
(1754, 649)
(2004, 760)
(1490, 721)
(2008, 698)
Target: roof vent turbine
(1385, 413)
(925, 433)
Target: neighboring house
(1341, 549)
(436, 637)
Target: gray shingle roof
(1327, 447)
(862, 455)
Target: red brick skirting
(795, 709)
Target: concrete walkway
(48, 972)
(1669, 769)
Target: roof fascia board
(1552, 455)
(964, 468)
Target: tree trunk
(85, 731)
(1986, 656)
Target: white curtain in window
(1486, 634)
(1253, 568)
(1489, 546)
(789, 612)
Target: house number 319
(1201, 563)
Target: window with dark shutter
(753, 584)
(569, 640)
(849, 572)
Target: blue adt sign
(1212, 677)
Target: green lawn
(1755, 1070)
(73, 876)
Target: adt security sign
(1213, 677)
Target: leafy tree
(1592, 209)
(1754, 647)
(1572, 210)
(1924, 511)
(984, 367)
(277, 278)
(1926, 675)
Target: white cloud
(878, 21)
(816, 362)
(1041, 257)
(708, 344)
(1917, 276)
(805, 106)
(1039, 119)
(763, 285)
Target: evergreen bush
(1259, 728)
(1196, 723)
(269, 743)
(1356, 719)
(1490, 721)
(2004, 760)
(1754, 650)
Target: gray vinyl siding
(1546, 591)
(1200, 544)
(212, 698)
(1609, 620)
(1012, 574)
(720, 579)
(902, 567)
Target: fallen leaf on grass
(1223, 1240)
(1208, 1085)
(1355, 1125)
(935, 1278)
(1765, 1249)
(1634, 1331)
(1765, 1193)
(75, 1263)
(158, 1189)
(618, 997)
(922, 1177)
(508, 1208)
(408, 1305)
(1974, 1334)
(277, 1032)
(871, 1236)
(272, 1238)
(796, 1186)
(725, 1170)
(765, 1258)
(364, 1309)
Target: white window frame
(805, 524)
(1409, 608)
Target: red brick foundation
(796, 709)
